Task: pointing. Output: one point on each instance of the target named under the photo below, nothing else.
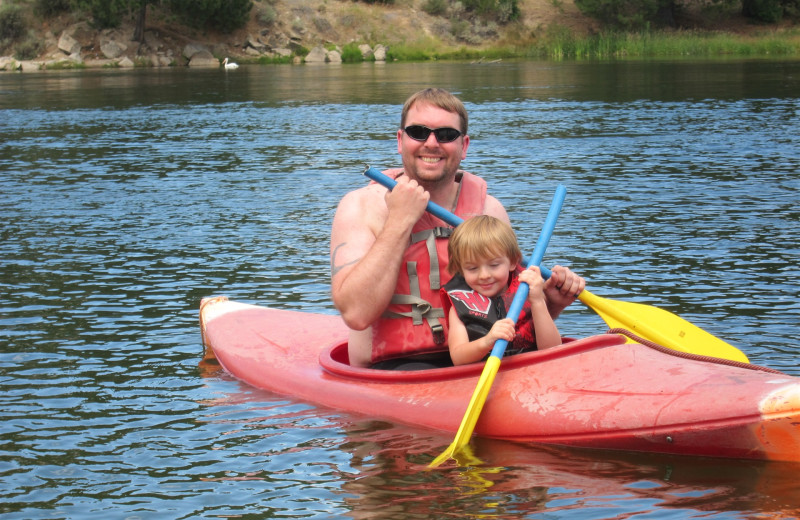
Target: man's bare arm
(370, 233)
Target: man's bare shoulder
(495, 208)
(362, 207)
(367, 195)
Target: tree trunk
(665, 15)
(138, 33)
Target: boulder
(112, 49)
(125, 63)
(190, 49)
(333, 57)
(29, 66)
(8, 63)
(203, 59)
(380, 52)
(67, 44)
(253, 42)
(317, 55)
(366, 51)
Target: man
(389, 256)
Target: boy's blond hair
(482, 237)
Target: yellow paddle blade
(473, 411)
(661, 327)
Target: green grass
(560, 44)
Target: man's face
(430, 162)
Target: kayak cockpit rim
(334, 360)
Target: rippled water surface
(127, 196)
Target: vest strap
(430, 236)
(419, 308)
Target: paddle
(651, 323)
(493, 363)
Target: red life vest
(415, 323)
(478, 313)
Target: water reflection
(376, 83)
(385, 473)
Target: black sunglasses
(421, 133)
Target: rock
(29, 66)
(333, 57)
(153, 41)
(317, 55)
(112, 49)
(8, 63)
(366, 51)
(380, 52)
(67, 44)
(203, 59)
(295, 44)
(253, 42)
(125, 63)
(190, 49)
(220, 49)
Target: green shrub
(502, 11)
(49, 8)
(28, 49)
(12, 23)
(105, 13)
(222, 15)
(623, 14)
(769, 11)
(435, 7)
(351, 53)
(267, 15)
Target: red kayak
(595, 392)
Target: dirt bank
(283, 28)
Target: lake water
(127, 196)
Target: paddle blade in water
(661, 327)
(473, 412)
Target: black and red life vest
(478, 313)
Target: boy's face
(487, 276)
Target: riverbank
(300, 31)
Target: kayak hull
(595, 392)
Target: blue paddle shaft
(435, 209)
(535, 258)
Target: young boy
(484, 257)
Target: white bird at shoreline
(229, 65)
